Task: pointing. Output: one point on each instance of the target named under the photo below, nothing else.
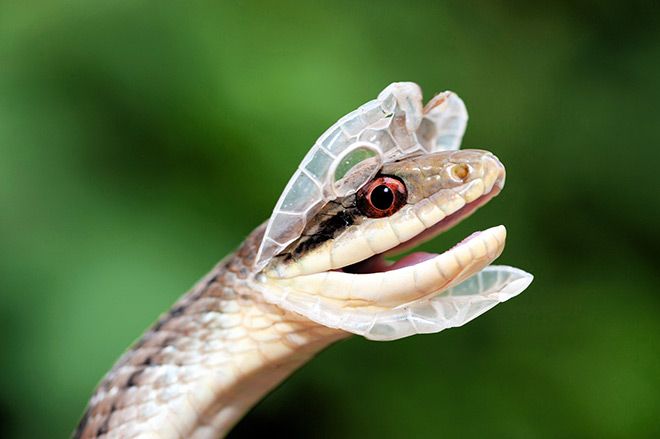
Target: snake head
(385, 178)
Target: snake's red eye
(381, 197)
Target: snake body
(217, 351)
(382, 179)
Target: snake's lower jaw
(406, 301)
(414, 278)
(423, 294)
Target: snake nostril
(460, 171)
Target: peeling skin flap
(453, 307)
(350, 153)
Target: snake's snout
(498, 169)
(473, 171)
(483, 165)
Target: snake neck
(205, 362)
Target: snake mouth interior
(379, 263)
(367, 278)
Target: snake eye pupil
(382, 197)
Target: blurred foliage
(141, 141)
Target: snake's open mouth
(352, 268)
(373, 281)
(419, 275)
(379, 263)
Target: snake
(383, 179)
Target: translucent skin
(391, 127)
(260, 313)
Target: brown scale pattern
(205, 362)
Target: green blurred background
(141, 141)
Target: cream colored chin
(375, 236)
(390, 289)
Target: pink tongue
(411, 259)
(376, 263)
